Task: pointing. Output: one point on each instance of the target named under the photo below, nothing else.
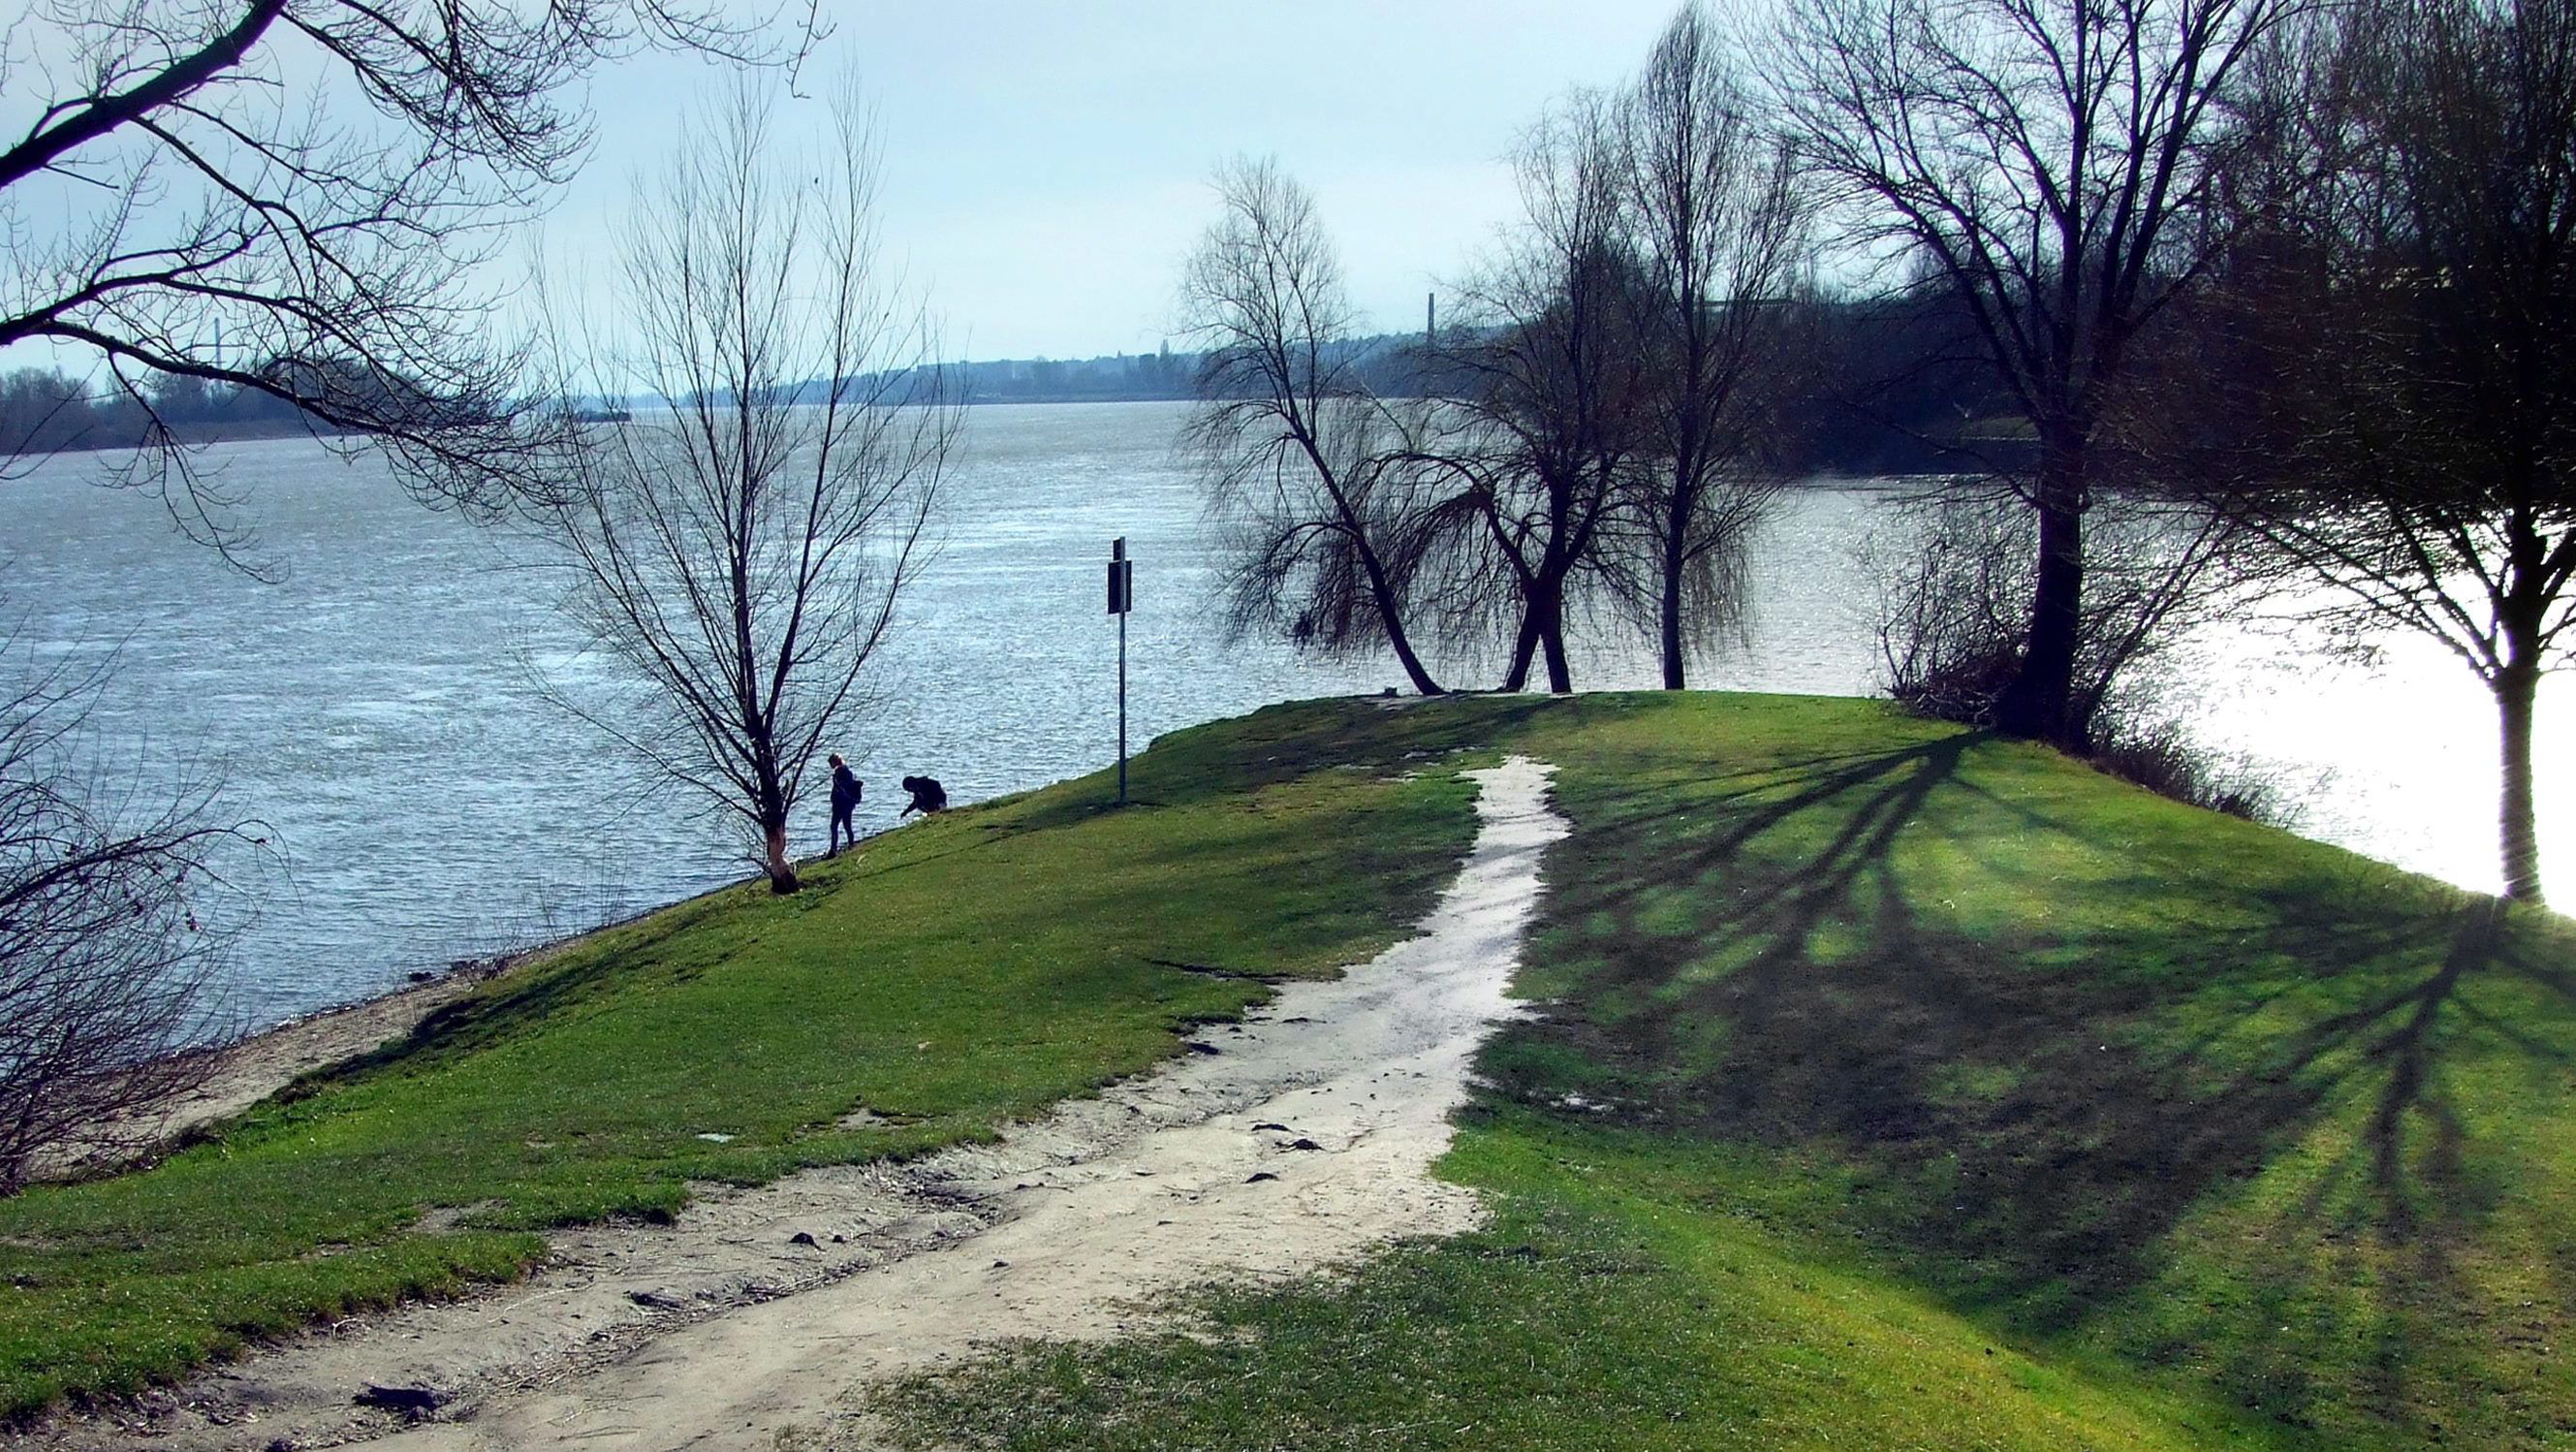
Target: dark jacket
(846, 788)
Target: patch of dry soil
(1297, 1139)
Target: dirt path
(1300, 1137)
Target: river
(373, 706)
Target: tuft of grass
(952, 977)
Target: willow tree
(743, 554)
(2057, 166)
(1300, 457)
(1552, 374)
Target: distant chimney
(1430, 318)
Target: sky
(1046, 166)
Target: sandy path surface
(1300, 1137)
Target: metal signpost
(1122, 598)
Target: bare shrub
(107, 970)
(1953, 576)
(1949, 628)
(2161, 757)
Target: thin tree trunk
(2039, 704)
(1381, 593)
(1524, 650)
(1671, 613)
(1678, 508)
(782, 872)
(1404, 656)
(2516, 689)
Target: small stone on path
(411, 1401)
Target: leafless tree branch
(742, 552)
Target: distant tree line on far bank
(45, 411)
(1918, 415)
(1915, 417)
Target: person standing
(846, 790)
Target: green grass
(953, 976)
(1897, 1086)
(1894, 1087)
(1605, 1307)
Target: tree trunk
(782, 872)
(2516, 689)
(1671, 614)
(2039, 704)
(1404, 655)
(1547, 617)
(1383, 595)
(1524, 650)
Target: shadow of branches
(2029, 1111)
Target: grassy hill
(1900, 1087)
(954, 975)
(1894, 1087)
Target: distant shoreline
(198, 435)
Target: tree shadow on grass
(2028, 1113)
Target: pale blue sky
(1046, 164)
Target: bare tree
(2402, 329)
(743, 555)
(1299, 455)
(1553, 376)
(1725, 234)
(288, 197)
(107, 971)
(297, 197)
(2056, 162)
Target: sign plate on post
(1122, 600)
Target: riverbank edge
(239, 1073)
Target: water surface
(374, 705)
